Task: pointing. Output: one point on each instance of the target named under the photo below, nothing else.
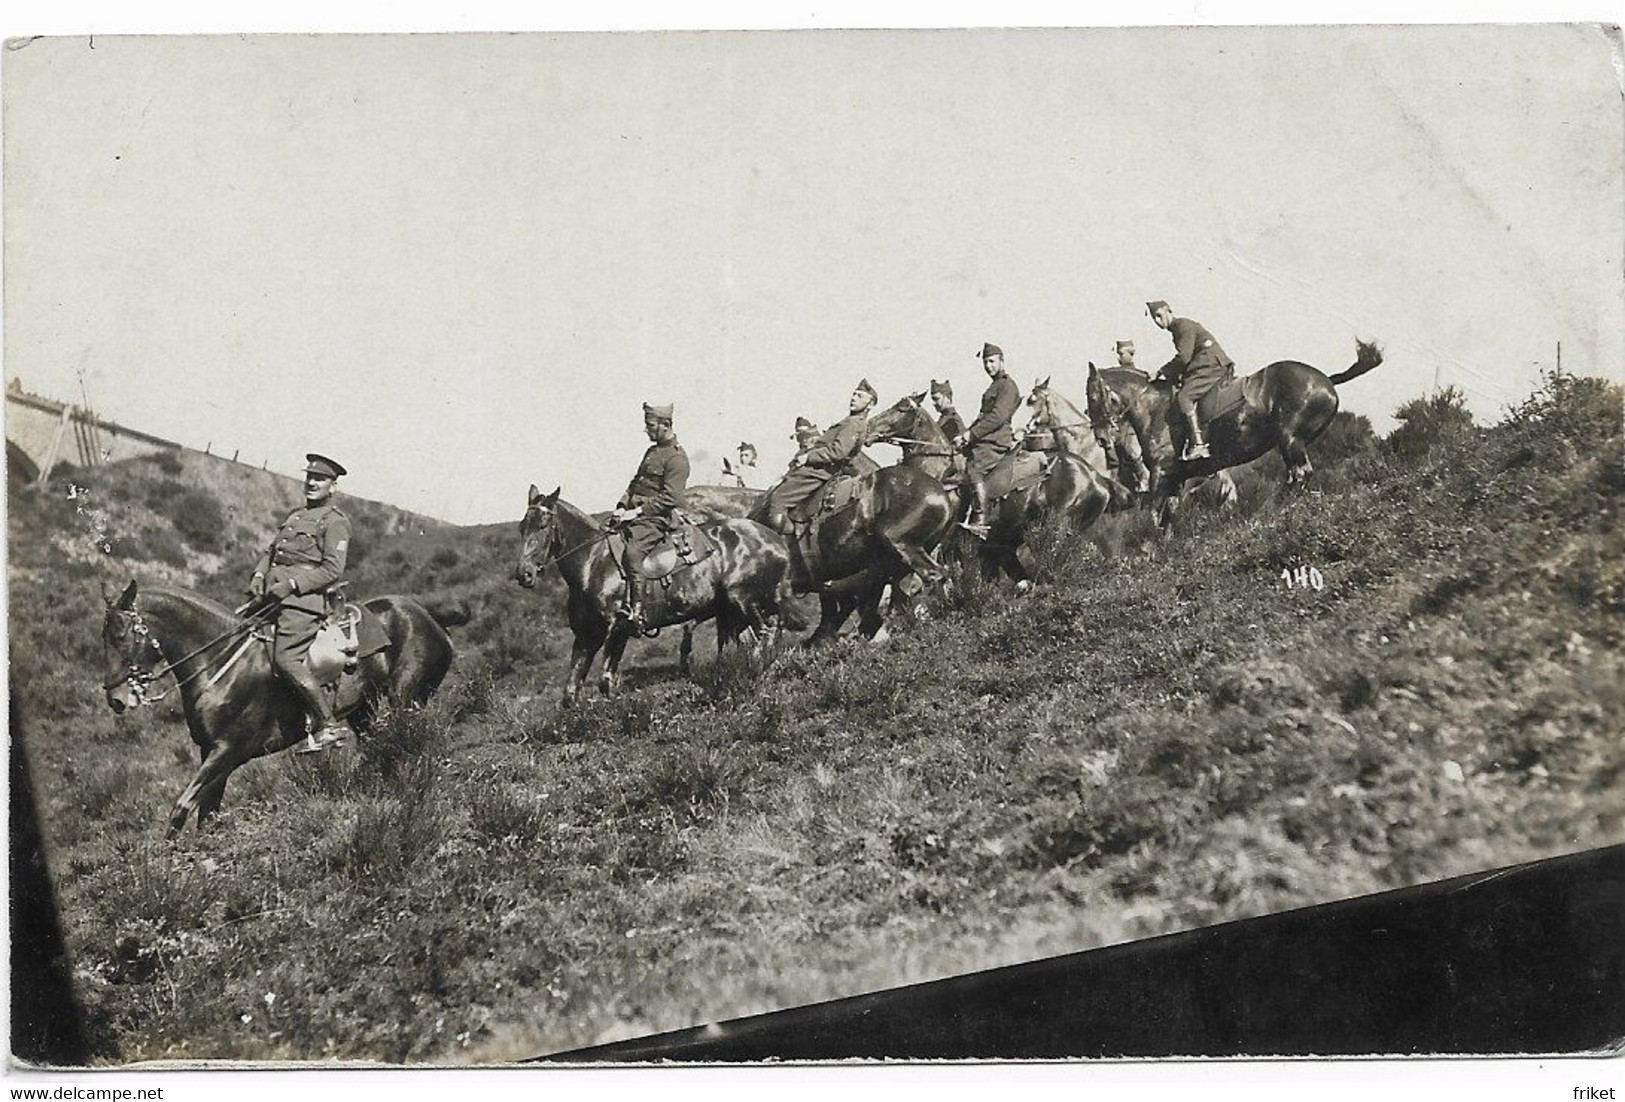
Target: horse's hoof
(1024, 587)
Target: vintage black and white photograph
(519, 545)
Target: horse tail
(1367, 357)
(448, 612)
(790, 618)
(1121, 496)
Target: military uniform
(304, 560)
(830, 455)
(990, 436)
(1199, 364)
(657, 489)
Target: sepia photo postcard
(815, 543)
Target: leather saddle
(1224, 398)
(685, 544)
(1018, 470)
(349, 633)
(835, 495)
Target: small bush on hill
(1427, 423)
(198, 517)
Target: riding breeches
(796, 488)
(295, 631)
(1195, 383)
(642, 535)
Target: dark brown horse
(1286, 406)
(1072, 489)
(236, 708)
(891, 530)
(739, 584)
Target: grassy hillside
(1166, 734)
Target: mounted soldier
(823, 460)
(1125, 358)
(1198, 365)
(644, 514)
(805, 436)
(292, 577)
(990, 437)
(1115, 436)
(948, 419)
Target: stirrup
(333, 736)
(980, 531)
(1196, 451)
(310, 745)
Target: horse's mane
(1118, 378)
(1073, 417)
(188, 599)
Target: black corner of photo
(46, 1025)
(1515, 961)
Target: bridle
(140, 679)
(936, 449)
(551, 553)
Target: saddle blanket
(1018, 470)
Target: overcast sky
(460, 263)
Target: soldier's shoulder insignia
(341, 545)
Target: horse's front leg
(582, 652)
(210, 779)
(685, 652)
(614, 646)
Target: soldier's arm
(825, 450)
(1184, 344)
(335, 550)
(263, 566)
(1007, 403)
(1001, 409)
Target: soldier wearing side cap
(1125, 358)
(644, 513)
(1199, 365)
(829, 455)
(948, 419)
(805, 435)
(1116, 438)
(990, 436)
(292, 577)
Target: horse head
(134, 652)
(1103, 403)
(539, 533)
(897, 419)
(1043, 415)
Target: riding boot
(1195, 446)
(976, 525)
(631, 609)
(325, 730)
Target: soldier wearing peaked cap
(293, 575)
(1199, 365)
(829, 455)
(645, 511)
(990, 436)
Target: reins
(141, 678)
